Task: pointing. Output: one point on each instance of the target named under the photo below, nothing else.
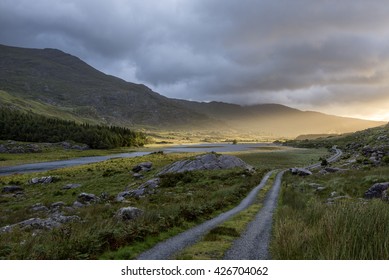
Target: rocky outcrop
(377, 190)
(210, 161)
(300, 171)
(54, 221)
(146, 188)
(128, 213)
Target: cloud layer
(318, 55)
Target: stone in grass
(12, 189)
(300, 171)
(42, 180)
(128, 213)
(87, 198)
(376, 190)
(71, 186)
(39, 207)
(143, 166)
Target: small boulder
(143, 166)
(71, 186)
(146, 188)
(42, 180)
(376, 190)
(39, 207)
(12, 189)
(128, 213)
(87, 198)
(137, 176)
(57, 205)
(300, 171)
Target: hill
(57, 84)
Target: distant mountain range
(51, 82)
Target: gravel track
(254, 243)
(169, 247)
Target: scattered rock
(78, 204)
(42, 180)
(87, 198)
(12, 189)
(209, 161)
(54, 221)
(143, 166)
(333, 169)
(71, 186)
(315, 186)
(300, 171)
(376, 190)
(137, 176)
(146, 188)
(128, 213)
(57, 205)
(39, 207)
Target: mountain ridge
(55, 78)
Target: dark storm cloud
(303, 53)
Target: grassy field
(183, 202)
(335, 222)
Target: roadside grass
(306, 226)
(217, 241)
(181, 202)
(53, 154)
(285, 158)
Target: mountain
(51, 82)
(55, 78)
(278, 120)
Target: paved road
(254, 243)
(167, 248)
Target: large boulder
(209, 161)
(376, 190)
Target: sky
(330, 56)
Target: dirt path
(166, 249)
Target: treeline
(29, 127)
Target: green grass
(181, 202)
(307, 227)
(215, 244)
(286, 158)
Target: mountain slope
(54, 77)
(54, 83)
(278, 120)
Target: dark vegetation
(15, 125)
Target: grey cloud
(300, 52)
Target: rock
(334, 169)
(39, 207)
(209, 161)
(128, 213)
(54, 221)
(12, 189)
(300, 171)
(137, 176)
(87, 198)
(143, 166)
(78, 204)
(319, 189)
(146, 188)
(57, 205)
(71, 186)
(42, 180)
(376, 190)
